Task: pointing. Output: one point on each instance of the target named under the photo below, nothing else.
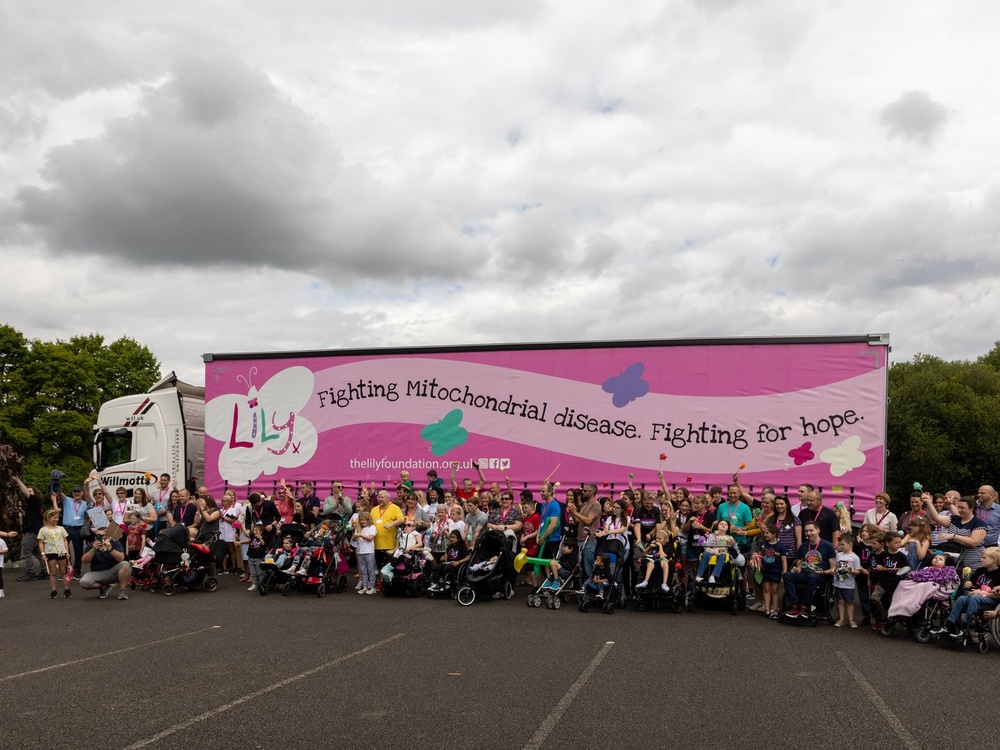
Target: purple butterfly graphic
(628, 386)
(802, 454)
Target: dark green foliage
(944, 419)
(50, 392)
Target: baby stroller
(183, 563)
(613, 595)
(276, 569)
(145, 572)
(724, 592)
(323, 568)
(490, 572)
(570, 582)
(653, 596)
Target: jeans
(74, 535)
(366, 569)
(587, 553)
(720, 563)
(29, 554)
(970, 605)
(811, 581)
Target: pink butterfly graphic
(802, 454)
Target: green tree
(943, 419)
(50, 393)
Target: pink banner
(791, 412)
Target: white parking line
(108, 653)
(891, 719)
(550, 721)
(256, 694)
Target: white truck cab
(162, 431)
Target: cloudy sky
(240, 176)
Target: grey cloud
(914, 117)
(218, 168)
(18, 123)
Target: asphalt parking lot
(232, 669)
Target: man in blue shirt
(815, 561)
(550, 526)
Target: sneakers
(642, 585)
(365, 591)
(773, 615)
(756, 607)
(123, 594)
(369, 591)
(103, 594)
(252, 587)
(711, 579)
(433, 587)
(699, 579)
(664, 588)
(865, 621)
(26, 577)
(838, 624)
(53, 594)
(853, 625)
(359, 587)
(939, 630)
(67, 593)
(2, 594)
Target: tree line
(944, 416)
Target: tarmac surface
(232, 669)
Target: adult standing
(208, 518)
(309, 499)
(825, 519)
(386, 516)
(965, 532)
(74, 514)
(337, 502)
(228, 520)
(31, 524)
(587, 518)
(916, 511)
(988, 511)
(159, 495)
(882, 517)
(185, 512)
(550, 524)
(263, 512)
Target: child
(562, 568)
(773, 565)
(848, 566)
(485, 566)
(718, 543)
(455, 554)
(135, 538)
(864, 550)
(54, 549)
(600, 580)
(364, 549)
(286, 555)
(256, 549)
(884, 572)
(314, 539)
(410, 540)
(981, 590)
(917, 543)
(658, 552)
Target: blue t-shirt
(552, 509)
(739, 515)
(771, 555)
(818, 557)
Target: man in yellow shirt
(386, 516)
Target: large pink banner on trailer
(790, 412)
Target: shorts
(565, 573)
(845, 595)
(55, 556)
(551, 550)
(772, 577)
(103, 577)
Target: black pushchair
(612, 596)
(183, 563)
(485, 576)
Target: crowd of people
(785, 555)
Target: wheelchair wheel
(584, 605)
(417, 587)
(286, 589)
(609, 608)
(984, 646)
(341, 584)
(321, 589)
(734, 605)
(677, 603)
(168, 589)
(210, 584)
(888, 629)
(830, 602)
(640, 604)
(922, 634)
(466, 595)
